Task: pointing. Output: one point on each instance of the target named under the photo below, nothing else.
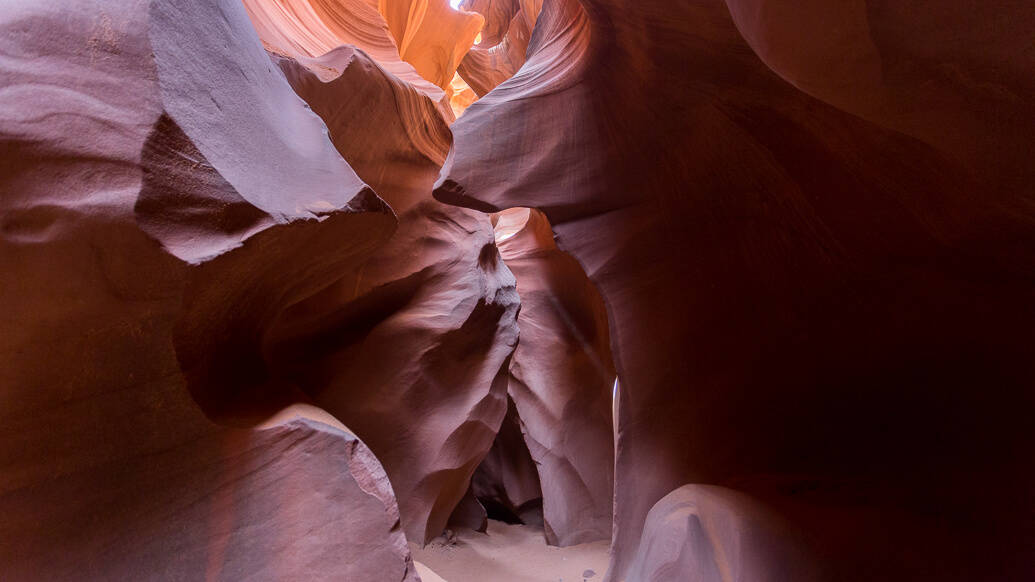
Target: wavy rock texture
(561, 380)
(412, 349)
(712, 534)
(487, 65)
(497, 15)
(302, 29)
(431, 35)
(165, 196)
(805, 304)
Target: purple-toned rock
(165, 197)
(561, 380)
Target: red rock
(165, 198)
(469, 513)
(497, 15)
(431, 35)
(794, 291)
(712, 534)
(485, 67)
(507, 482)
(561, 380)
(303, 29)
(411, 349)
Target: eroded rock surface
(411, 349)
(713, 534)
(165, 195)
(507, 482)
(561, 380)
(804, 302)
(431, 35)
(487, 65)
(303, 29)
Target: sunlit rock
(431, 35)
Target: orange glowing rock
(431, 35)
(312, 28)
(486, 67)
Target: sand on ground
(508, 553)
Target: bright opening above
(455, 4)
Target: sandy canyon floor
(508, 553)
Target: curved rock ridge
(497, 14)
(165, 195)
(561, 380)
(463, 95)
(486, 67)
(795, 293)
(969, 65)
(311, 28)
(431, 35)
(390, 133)
(714, 534)
(410, 350)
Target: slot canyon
(517, 290)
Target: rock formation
(488, 65)
(424, 328)
(507, 482)
(431, 35)
(561, 380)
(259, 323)
(712, 534)
(165, 196)
(313, 28)
(806, 304)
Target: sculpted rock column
(813, 307)
(411, 350)
(561, 380)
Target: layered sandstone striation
(302, 29)
(431, 35)
(166, 196)
(259, 323)
(490, 63)
(815, 297)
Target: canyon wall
(272, 310)
(818, 286)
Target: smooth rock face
(164, 196)
(507, 482)
(805, 304)
(701, 533)
(431, 35)
(487, 65)
(424, 329)
(561, 380)
(497, 15)
(312, 28)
